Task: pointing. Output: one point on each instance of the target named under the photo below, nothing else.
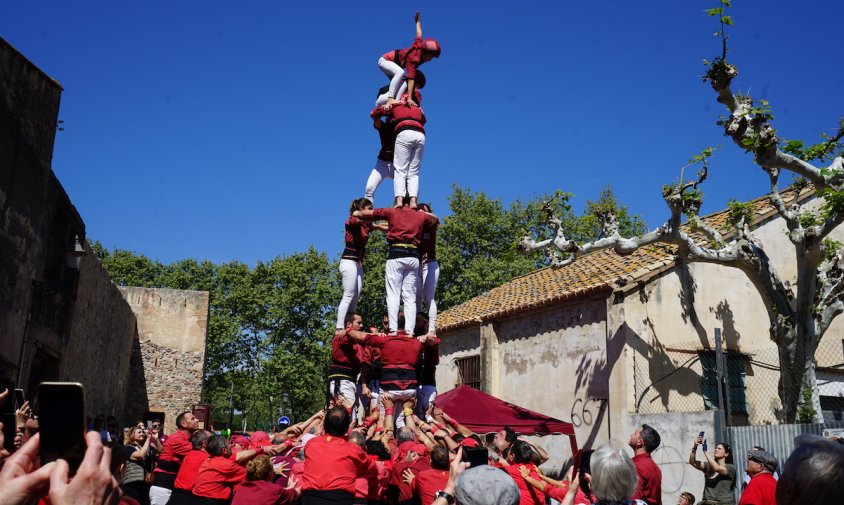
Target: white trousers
(159, 495)
(400, 280)
(426, 290)
(399, 395)
(351, 274)
(395, 73)
(410, 146)
(382, 170)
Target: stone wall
(56, 322)
(169, 353)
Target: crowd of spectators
(335, 458)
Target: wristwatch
(442, 494)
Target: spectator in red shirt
(402, 64)
(175, 449)
(259, 488)
(762, 488)
(183, 486)
(217, 475)
(644, 441)
(332, 464)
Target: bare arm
(542, 453)
(693, 456)
(418, 19)
(538, 484)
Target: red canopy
(483, 413)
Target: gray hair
(405, 434)
(613, 474)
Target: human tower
(400, 358)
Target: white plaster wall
(554, 362)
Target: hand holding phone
(61, 422)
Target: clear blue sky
(240, 130)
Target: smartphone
(61, 422)
(20, 398)
(476, 456)
(584, 468)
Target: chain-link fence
(685, 378)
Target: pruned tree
(800, 314)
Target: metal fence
(692, 377)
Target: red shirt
(186, 477)
(649, 487)
(761, 490)
(176, 447)
(217, 478)
(263, 492)
(345, 355)
(427, 483)
(529, 495)
(409, 58)
(333, 463)
(357, 236)
(374, 486)
(398, 353)
(402, 117)
(559, 493)
(397, 480)
(406, 224)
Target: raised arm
(418, 19)
(693, 455)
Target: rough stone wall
(79, 322)
(29, 192)
(98, 349)
(169, 355)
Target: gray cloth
(719, 488)
(485, 485)
(768, 460)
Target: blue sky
(240, 131)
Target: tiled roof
(597, 272)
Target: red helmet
(431, 46)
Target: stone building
(608, 342)
(61, 317)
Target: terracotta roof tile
(601, 271)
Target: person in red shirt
(429, 270)
(332, 463)
(644, 441)
(556, 490)
(185, 479)
(401, 65)
(346, 354)
(427, 482)
(259, 489)
(351, 261)
(413, 463)
(402, 268)
(762, 488)
(519, 456)
(173, 452)
(408, 123)
(217, 475)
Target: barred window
(735, 380)
(469, 371)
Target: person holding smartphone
(719, 473)
(137, 448)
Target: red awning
(483, 413)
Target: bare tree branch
(791, 216)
